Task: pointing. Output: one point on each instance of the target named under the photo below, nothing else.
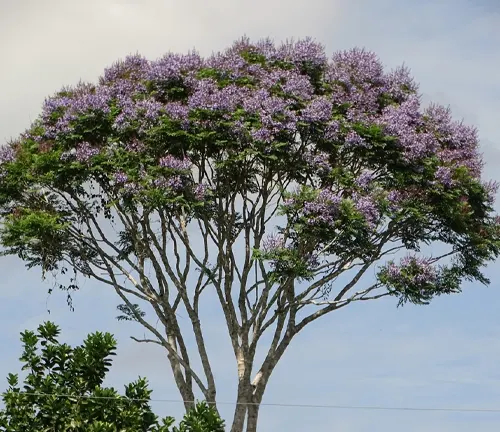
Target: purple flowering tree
(270, 179)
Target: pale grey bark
(251, 303)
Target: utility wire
(284, 405)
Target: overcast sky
(443, 355)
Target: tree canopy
(62, 391)
(270, 177)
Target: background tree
(63, 391)
(269, 177)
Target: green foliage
(62, 391)
(285, 124)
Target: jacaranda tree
(271, 178)
(62, 391)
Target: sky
(444, 355)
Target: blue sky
(442, 355)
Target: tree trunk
(246, 413)
(240, 413)
(252, 417)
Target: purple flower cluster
(7, 154)
(400, 84)
(208, 96)
(414, 270)
(300, 51)
(132, 67)
(274, 112)
(358, 79)
(147, 111)
(97, 101)
(120, 177)
(396, 198)
(262, 134)
(268, 92)
(444, 176)
(355, 66)
(459, 143)
(318, 161)
(132, 188)
(174, 163)
(365, 180)
(178, 111)
(324, 209)
(332, 129)
(367, 207)
(84, 152)
(273, 242)
(60, 111)
(291, 82)
(403, 122)
(200, 191)
(318, 110)
(353, 139)
(175, 183)
(356, 76)
(173, 67)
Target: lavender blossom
(402, 122)
(54, 105)
(85, 152)
(318, 161)
(120, 177)
(319, 110)
(149, 109)
(273, 242)
(207, 95)
(412, 269)
(7, 154)
(358, 64)
(132, 67)
(173, 66)
(303, 50)
(400, 84)
(459, 142)
(174, 163)
(290, 82)
(444, 176)
(200, 191)
(175, 183)
(98, 101)
(324, 209)
(262, 134)
(353, 139)
(365, 179)
(368, 209)
(332, 130)
(177, 111)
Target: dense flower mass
(347, 147)
(176, 164)
(418, 270)
(417, 279)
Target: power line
(282, 405)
